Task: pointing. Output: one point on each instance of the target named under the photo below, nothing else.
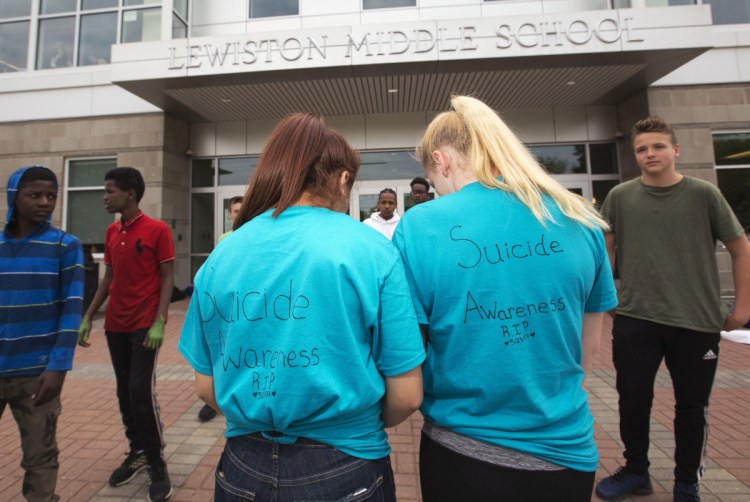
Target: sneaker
(206, 413)
(685, 492)
(160, 488)
(134, 463)
(623, 484)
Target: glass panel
(97, 4)
(603, 157)
(735, 185)
(388, 166)
(87, 218)
(621, 4)
(14, 45)
(57, 6)
(732, 149)
(667, 3)
(141, 25)
(89, 173)
(128, 3)
(236, 171)
(203, 173)
(181, 7)
(179, 28)
(15, 8)
(384, 4)
(195, 264)
(202, 223)
(55, 49)
(561, 159)
(98, 34)
(601, 189)
(368, 204)
(724, 12)
(270, 8)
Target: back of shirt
(298, 319)
(504, 298)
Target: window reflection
(14, 45)
(271, 8)
(55, 48)
(141, 25)
(98, 33)
(561, 159)
(15, 8)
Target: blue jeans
(254, 468)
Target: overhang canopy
(556, 60)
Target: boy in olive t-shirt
(663, 230)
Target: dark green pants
(37, 425)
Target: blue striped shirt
(41, 297)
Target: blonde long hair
(478, 133)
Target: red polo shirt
(135, 249)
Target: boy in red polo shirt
(139, 258)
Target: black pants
(449, 476)
(135, 372)
(638, 348)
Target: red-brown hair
(301, 155)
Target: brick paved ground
(92, 442)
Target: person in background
(317, 348)
(235, 203)
(420, 190)
(386, 219)
(138, 278)
(663, 231)
(206, 412)
(511, 310)
(41, 297)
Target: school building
(188, 91)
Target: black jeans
(447, 476)
(638, 348)
(135, 372)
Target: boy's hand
(84, 331)
(155, 335)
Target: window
(85, 216)
(14, 46)
(581, 164)
(15, 8)
(272, 8)
(79, 32)
(724, 12)
(179, 19)
(387, 4)
(732, 158)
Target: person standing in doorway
(41, 297)
(206, 412)
(386, 219)
(420, 190)
(663, 230)
(139, 257)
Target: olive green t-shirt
(666, 251)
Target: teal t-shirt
(504, 298)
(299, 319)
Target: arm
(50, 382)
(155, 336)
(591, 338)
(204, 386)
(403, 396)
(102, 291)
(611, 243)
(739, 249)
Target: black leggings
(449, 476)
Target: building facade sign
(463, 38)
